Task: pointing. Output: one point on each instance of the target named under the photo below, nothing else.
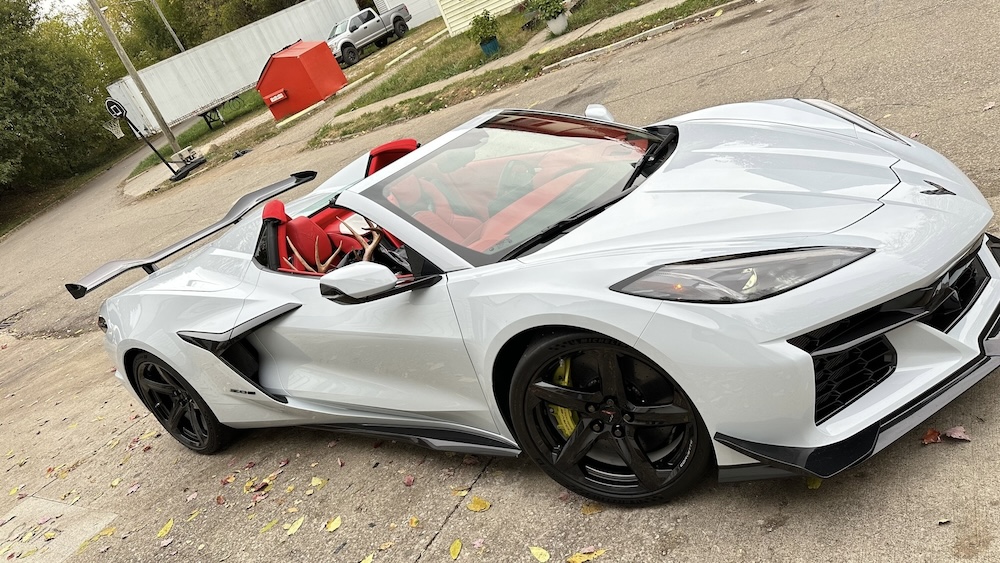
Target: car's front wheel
(606, 422)
(177, 406)
(350, 54)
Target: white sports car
(774, 288)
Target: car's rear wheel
(177, 406)
(350, 55)
(400, 28)
(380, 43)
(606, 422)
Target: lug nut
(597, 426)
(591, 408)
(618, 433)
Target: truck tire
(381, 43)
(400, 29)
(350, 54)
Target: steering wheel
(515, 181)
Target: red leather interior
(429, 206)
(310, 240)
(501, 224)
(384, 155)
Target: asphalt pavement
(83, 461)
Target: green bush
(484, 27)
(547, 9)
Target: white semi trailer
(202, 78)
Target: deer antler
(324, 266)
(368, 246)
(295, 251)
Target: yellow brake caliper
(566, 420)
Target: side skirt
(433, 438)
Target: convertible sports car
(775, 288)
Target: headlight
(738, 279)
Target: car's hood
(733, 179)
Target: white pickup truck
(364, 28)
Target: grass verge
(251, 103)
(590, 11)
(446, 58)
(497, 79)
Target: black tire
(381, 43)
(399, 28)
(606, 422)
(177, 406)
(350, 54)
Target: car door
(399, 355)
(369, 27)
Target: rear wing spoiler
(113, 269)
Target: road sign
(115, 108)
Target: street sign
(115, 108)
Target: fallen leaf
(564, 496)
(478, 543)
(414, 521)
(250, 465)
(455, 549)
(369, 559)
(385, 546)
(989, 107)
(408, 480)
(944, 521)
(165, 529)
(27, 536)
(292, 509)
(229, 479)
(166, 542)
(717, 14)
(478, 504)
(813, 483)
(194, 514)
(332, 444)
(150, 434)
(583, 557)
(220, 500)
(133, 488)
(16, 490)
(267, 527)
(333, 524)
(957, 433)
(590, 508)
(340, 462)
(116, 482)
(470, 460)
(50, 536)
(539, 554)
(283, 462)
(289, 488)
(459, 491)
(314, 464)
(296, 525)
(249, 485)
(309, 492)
(318, 483)
(108, 531)
(192, 496)
(931, 437)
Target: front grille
(844, 377)
(851, 356)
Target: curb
(647, 34)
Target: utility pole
(135, 76)
(166, 23)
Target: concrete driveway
(82, 461)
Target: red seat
(428, 205)
(312, 243)
(384, 155)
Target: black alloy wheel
(400, 28)
(350, 55)
(178, 407)
(381, 43)
(606, 422)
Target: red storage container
(298, 76)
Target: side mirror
(597, 111)
(357, 281)
(353, 28)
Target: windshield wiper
(561, 227)
(653, 154)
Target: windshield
(338, 29)
(503, 183)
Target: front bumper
(829, 459)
